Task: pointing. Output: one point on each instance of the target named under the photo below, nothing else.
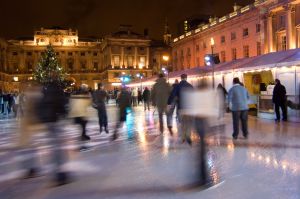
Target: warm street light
(212, 41)
(166, 58)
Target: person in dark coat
(99, 98)
(124, 102)
(171, 109)
(279, 99)
(146, 98)
(160, 93)
(177, 94)
(140, 96)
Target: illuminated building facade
(87, 61)
(262, 27)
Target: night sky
(100, 17)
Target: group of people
(49, 104)
(11, 102)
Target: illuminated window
(129, 61)
(142, 61)
(116, 60)
(246, 51)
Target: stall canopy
(276, 59)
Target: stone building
(86, 60)
(262, 27)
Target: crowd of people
(49, 104)
(11, 103)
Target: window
(142, 62)
(116, 75)
(245, 32)
(282, 21)
(223, 56)
(29, 66)
(154, 60)
(233, 53)
(258, 48)
(95, 66)
(257, 28)
(246, 51)
(181, 53)
(70, 66)
(116, 60)
(142, 48)
(16, 67)
(197, 47)
(188, 52)
(95, 54)
(222, 39)
(129, 61)
(233, 36)
(204, 45)
(83, 65)
(57, 53)
(15, 53)
(82, 53)
(283, 42)
(128, 48)
(70, 53)
(29, 53)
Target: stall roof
(282, 58)
(276, 59)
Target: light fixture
(16, 79)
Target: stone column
(270, 33)
(122, 57)
(111, 57)
(147, 57)
(289, 28)
(135, 61)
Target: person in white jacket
(79, 103)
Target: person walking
(124, 102)
(176, 94)
(238, 97)
(134, 95)
(222, 95)
(146, 98)
(140, 96)
(99, 98)
(1, 103)
(280, 100)
(160, 94)
(172, 107)
(6, 103)
(79, 103)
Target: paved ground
(143, 164)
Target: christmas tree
(48, 69)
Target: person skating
(176, 94)
(160, 94)
(238, 97)
(146, 98)
(99, 98)
(124, 102)
(79, 102)
(280, 101)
